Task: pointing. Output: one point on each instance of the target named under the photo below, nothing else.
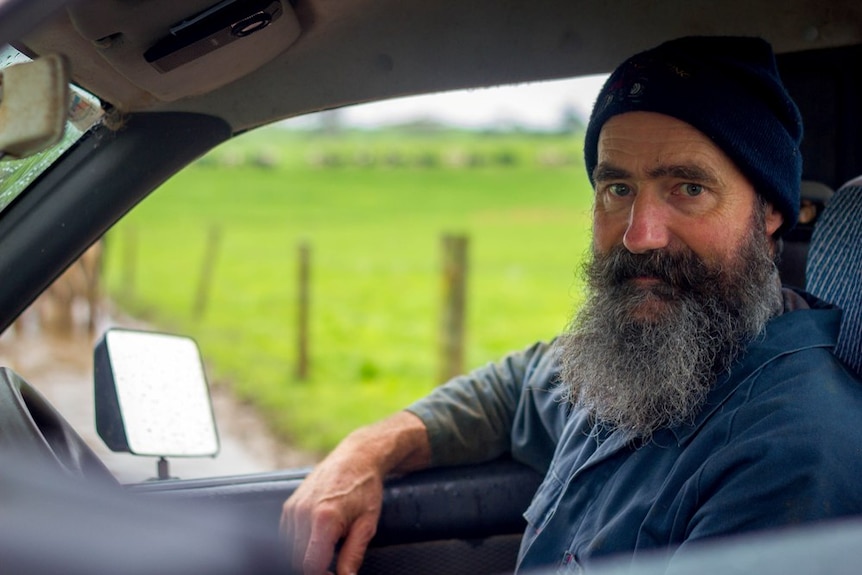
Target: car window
(371, 212)
(84, 112)
(217, 253)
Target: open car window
(84, 112)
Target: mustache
(681, 270)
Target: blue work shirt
(778, 442)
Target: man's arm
(342, 496)
(506, 406)
(511, 407)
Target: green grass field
(373, 208)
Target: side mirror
(152, 396)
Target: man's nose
(648, 225)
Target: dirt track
(61, 368)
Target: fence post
(452, 325)
(92, 262)
(130, 262)
(302, 312)
(206, 278)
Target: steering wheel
(30, 427)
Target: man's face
(663, 185)
(681, 277)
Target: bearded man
(692, 397)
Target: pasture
(372, 206)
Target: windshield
(84, 112)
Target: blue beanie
(729, 89)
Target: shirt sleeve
(511, 406)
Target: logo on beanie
(629, 86)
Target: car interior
(177, 78)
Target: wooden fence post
(302, 312)
(452, 325)
(130, 262)
(207, 268)
(92, 262)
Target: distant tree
(332, 122)
(421, 126)
(571, 121)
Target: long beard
(643, 357)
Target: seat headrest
(834, 271)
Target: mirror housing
(152, 396)
(33, 105)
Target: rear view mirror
(34, 102)
(152, 396)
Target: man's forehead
(651, 127)
(658, 144)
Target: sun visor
(177, 49)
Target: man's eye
(691, 190)
(619, 190)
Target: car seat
(834, 270)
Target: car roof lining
(352, 51)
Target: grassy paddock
(374, 224)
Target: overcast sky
(536, 106)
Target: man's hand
(339, 499)
(342, 497)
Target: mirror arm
(163, 471)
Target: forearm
(397, 444)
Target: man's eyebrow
(691, 172)
(605, 171)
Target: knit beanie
(729, 89)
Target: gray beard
(640, 375)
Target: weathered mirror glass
(152, 396)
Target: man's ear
(773, 219)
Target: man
(691, 397)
